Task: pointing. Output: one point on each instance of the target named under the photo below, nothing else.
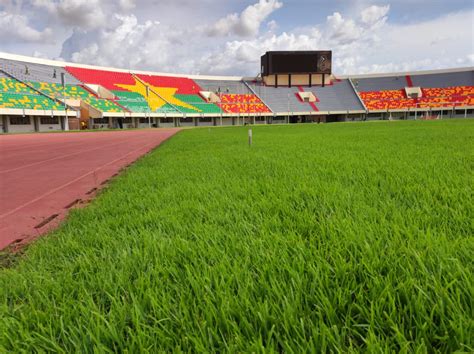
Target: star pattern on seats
(157, 97)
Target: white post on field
(250, 137)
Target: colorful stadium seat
(145, 93)
(431, 98)
(185, 95)
(184, 86)
(132, 101)
(107, 79)
(199, 103)
(75, 91)
(14, 94)
(246, 103)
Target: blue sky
(228, 37)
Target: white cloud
(15, 27)
(76, 13)
(434, 44)
(272, 25)
(127, 5)
(341, 30)
(470, 59)
(38, 54)
(245, 55)
(128, 45)
(363, 44)
(248, 23)
(375, 15)
(362, 41)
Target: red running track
(43, 175)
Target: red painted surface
(105, 78)
(183, 85)
(312, 104)
(409, 81)
(42, 174)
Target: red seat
(107, 79)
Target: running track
(43, 175)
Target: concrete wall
(296, 80)
(3, 124)
(207, 122)
(45, 127)
(225, 121)
(21, 128)
(167, 123)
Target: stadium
(38, 94)
(156, 198)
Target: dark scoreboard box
(297, 62)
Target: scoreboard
(297, 62)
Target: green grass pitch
(339, 237)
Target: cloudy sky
(229, 36)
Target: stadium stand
(389, 99)
(445, 97)
(444, 80)
(198, 102)
(132, 101)
(115, 97)
(15, 94)
(37, 72)
(183, 85)
(236, 96)
(373, 84)
(453, 89)
(107, 79)
(158, 101)
(224, 86)
(149, 93)
(281, 99)
(373, 103)
(74, 91)
(242, 103)
(185, 97)
(339, 96)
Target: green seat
(29, 101)
(76, 92)
(198, 102)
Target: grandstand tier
(105, 78)
(460, 91)
(24, 101)
(242, 103)
(444, 79)
(15, 94)
(431, 98)
(281, 99)
(27, 71)
(78, 92)
(198, 102)
(224, 86)
(183, 85)
(235, 96)
(132, 101)
(339, 96)
(115, 95)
